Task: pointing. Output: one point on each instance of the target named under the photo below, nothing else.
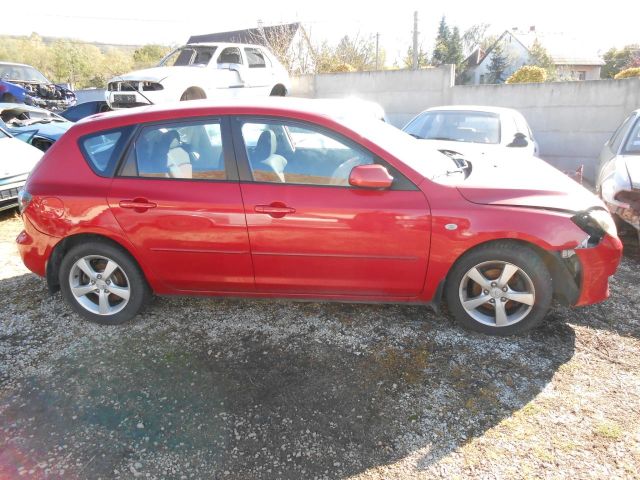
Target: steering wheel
(340, 175)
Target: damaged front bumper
(48, 96)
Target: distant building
(289, 42)
(571, 59)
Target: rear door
(313, 233)
(178, 199)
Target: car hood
(17, 157)
(531, 184)
(157, 74)
(632, 163)
(53, 130)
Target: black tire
(8, 98)
(129, 274)
(492, 259)
(278, 91)
(192, 94)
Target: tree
(618, 59)
(528, 74)
(498, 64)
(539, 57)
(149, 55)
(628, 73)
(423, 58)
(476, 37)
(441, 48)
(358, 52)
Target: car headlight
(596, 223)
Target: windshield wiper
(443, 138)
(416, 136)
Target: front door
(310, 231)
(178, 200)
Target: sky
(598, 25)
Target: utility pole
(377, 42)
(415, 40)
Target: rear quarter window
(102, 150)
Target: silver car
(618, 179)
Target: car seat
(267, 166)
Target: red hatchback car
(280, 199)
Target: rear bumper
(597, 265)
(35, 248)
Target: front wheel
(499, 289)
(102, 283)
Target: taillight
(24, 199)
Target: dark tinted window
(255, 58)
(103, 149)
(185, 150)
(230, 55)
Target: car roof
(473, 108)
(16, 64)
(260, 106)
(222, 44)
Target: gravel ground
(211, 388)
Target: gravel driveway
(211, 388)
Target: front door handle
(138, 204)
(276, 209)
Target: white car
(618, 176)
(474, 131)
(17, 159)
(202, 70)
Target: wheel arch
(566, 284)
(66, 244)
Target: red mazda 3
(279, 199)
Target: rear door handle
(276, 209)
(138, 204)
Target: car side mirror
(370, 176)
(519, 141)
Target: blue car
(39, 89)
(12, 93)
(36, 126)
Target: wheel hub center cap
(101, 284)
(495, 292)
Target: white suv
(202, 70)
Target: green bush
(528, 74)
(628, 73)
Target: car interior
(293, 155)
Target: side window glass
(230, 55)
(633, 144)
(186, 151)
(103, 149)
(255, 58)
(282, 153)
(619, 135)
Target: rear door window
(185, 150)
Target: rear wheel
(500, 289)
(102, 283)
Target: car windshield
(21, 73)
(419, 156)
(188, 56)
(456, 126)
(20, 116)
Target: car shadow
(246, 389)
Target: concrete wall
(90, 95)
(570, 120)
